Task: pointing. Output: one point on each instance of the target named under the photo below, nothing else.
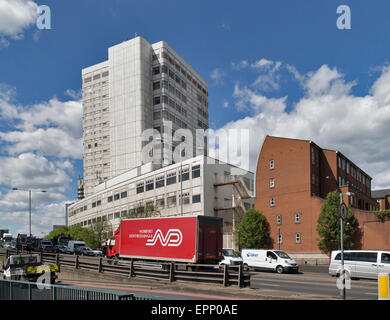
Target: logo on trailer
(173, 238)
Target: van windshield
(229, 253)
(282, 255)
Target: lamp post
(29, 201)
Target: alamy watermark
(344, 20)
(44, 17)
(167, 147)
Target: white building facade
(207, 187)
(141, 86)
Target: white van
(74, 245)
(261, 259)
(230, 258)
(360, 263)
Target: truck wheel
(279, 269)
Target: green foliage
(328, 224)
(143, 211)
(253, 230)
(93, 236)
(382, 215)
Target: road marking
(270, 285)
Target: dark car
(48, 249)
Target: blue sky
(255, 56)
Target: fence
(20, 290)
(206, 273)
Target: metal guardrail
(21, 290)
(205, 273)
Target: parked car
(63, 249)
(85, 251)
(230, 257)
(276, 260)
(97, 252)
(360, 263)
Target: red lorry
(184, 239)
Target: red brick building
(293, 178)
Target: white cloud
(50, 128)
(15, 17)
(328, 114)
(217, 75)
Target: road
(264, 285)
(318, 285)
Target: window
(93, 204)
(279, 219)
(186, 198)
(160, 203)
(272, 164)
(185, 174)
(160, 182)
(171, 201)
(272, 202)
(164, 69)
(297, 218)
(313, 178)
(297, 238)
(339, 162)
(156, 100)
(149, 185)
(313, 156)
(272, 183)
(171, 178)
(99, 202)
(385, 258)
(195, 171)
(124, 194)
(116, 196)
(140, 187)
(156, 115)
(156, 70)
(156, 85)
(196, 198)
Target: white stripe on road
(270, 285)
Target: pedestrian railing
(21, 290)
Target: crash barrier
(206, 273)
(21, 290)
(383, 286)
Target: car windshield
(282, 254)
(229, 253)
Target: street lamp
(29, 201)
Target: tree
(253, 230)
(329, 225)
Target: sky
(284, 68)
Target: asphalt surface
(317, 285)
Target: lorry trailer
(196, 239)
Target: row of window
(171, 201)
(186, 74)
(298, 238)
(149, 184)
(166, 115)
(297, 217)
(346, 166)
(161, 181)
(96, 77)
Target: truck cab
(113, 245)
